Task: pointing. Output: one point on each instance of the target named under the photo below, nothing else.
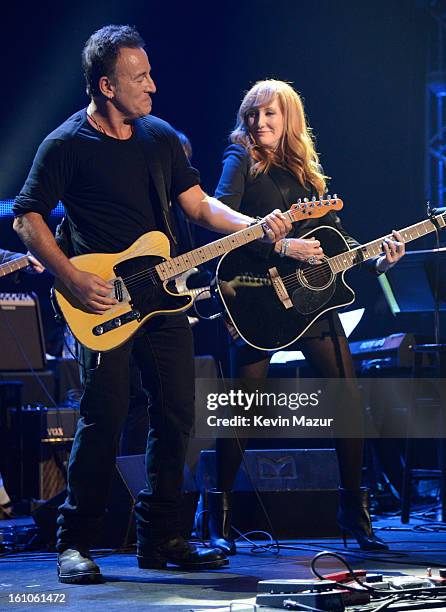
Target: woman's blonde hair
(296, 150)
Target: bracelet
(284, 247)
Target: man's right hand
(92, 291)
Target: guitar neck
(14, 265)
(177, 265)
(351, 258)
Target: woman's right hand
(302, 249)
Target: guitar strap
(276, 179)
(156, 173)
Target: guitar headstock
(306, 209)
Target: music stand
(410, 286)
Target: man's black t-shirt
(105, 183)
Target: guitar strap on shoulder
(276, 179)
(274, 176)
(156, 173)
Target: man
(116, 170)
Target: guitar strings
(134, 279)
(141, 279)
(311, 273)
(151, 272)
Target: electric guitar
(143, 278)
(14, 265)
(277, 313)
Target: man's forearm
(39, 240)
(215, 215)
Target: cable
(257, 548)
(327, 553)
(252, 481)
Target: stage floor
(414, 547)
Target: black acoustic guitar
(275, 312)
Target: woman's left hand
(393, 251)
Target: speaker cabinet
(297, 487)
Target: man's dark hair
(101, 52)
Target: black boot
(180, 552)
(219, 508)
(354, 519)
(77, 567)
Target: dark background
(360, 66)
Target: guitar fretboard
(351, 258)
(14, 265)
(177, 265)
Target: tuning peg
(335, 196)
(328, 199)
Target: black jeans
(163, 350)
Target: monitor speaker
(297, 487)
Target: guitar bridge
(279, 288)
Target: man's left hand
(393, 251)
(35, 267)
(278, 224)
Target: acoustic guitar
(294, 294)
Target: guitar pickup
(279, 288)
(119, 291)
(116, 322)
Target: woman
(272, 162)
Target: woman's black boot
(219, 521)
(354, 519)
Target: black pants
(326, 349)
(164, 353)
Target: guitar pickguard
(147, 293)
(306, 302)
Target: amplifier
(21, 332)
(40, 442)
(54, 424)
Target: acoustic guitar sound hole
(316, 277)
